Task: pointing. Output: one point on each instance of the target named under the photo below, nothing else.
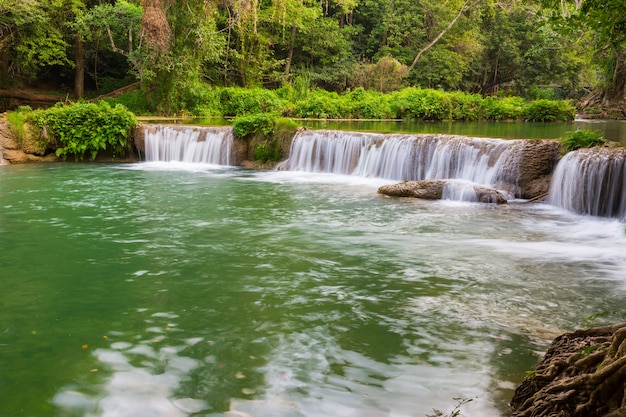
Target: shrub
(264, 152)
(582, 139)
(322, 104)
(235, 101)
(508, 108)
(87, 128)
(245, 126)
(549, 111)
(17, 120)
(466, 106)
(135, 101)
(415, 103)
(363, 104)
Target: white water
(591, 182)
(207, 144)
(406, 157)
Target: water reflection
(613, 130)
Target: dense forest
(171, 48)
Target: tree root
(583, 374)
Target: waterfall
(403, 157)
(592, 182)
(208, 145)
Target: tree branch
(466, 6)
(113, 47)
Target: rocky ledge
(16, 153)
(583, 374)
(435, 189)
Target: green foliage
(245, 126)
(264, 152)
(87, 128)
(467, 107)
(17, 120)
(422, 104)
(549, 111)
(508, 108)
(321, 104)
(235, 101)
(135, 101)
(582, 139)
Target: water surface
(162, 289)
(613, 130)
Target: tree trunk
(79, 76)
(4, 67)
(615, 90)
(292, 41)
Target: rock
(537, 161)
(17, 156)
(426, 189)
(139, 137)
(489, 195)
(582, 374)
(437, 189)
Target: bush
(465, 106)
(245, 126)
(549, 111)
(17, 120)
(87, 128)
(135, 101)
(582, 139)
(322, 104)
(508, 108)
(415, 103)
(363, 104)
(264, 152)
(235, 101)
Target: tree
(606, 19)
(467, 6)
(29, 39)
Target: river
(613, 130)
(171, 289)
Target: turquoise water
(163, 289)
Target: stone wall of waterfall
(591, 182)
(401, 157)
(206, 144)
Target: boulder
(17, 156)
(537, 161)
(437, 189)
(426, 189)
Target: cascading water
(406, 157)
(592, 182)
(207, 144)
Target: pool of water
(613, 130)
(163, 289)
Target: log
(33, 97)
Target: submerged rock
(582, 374)
(437, 189)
